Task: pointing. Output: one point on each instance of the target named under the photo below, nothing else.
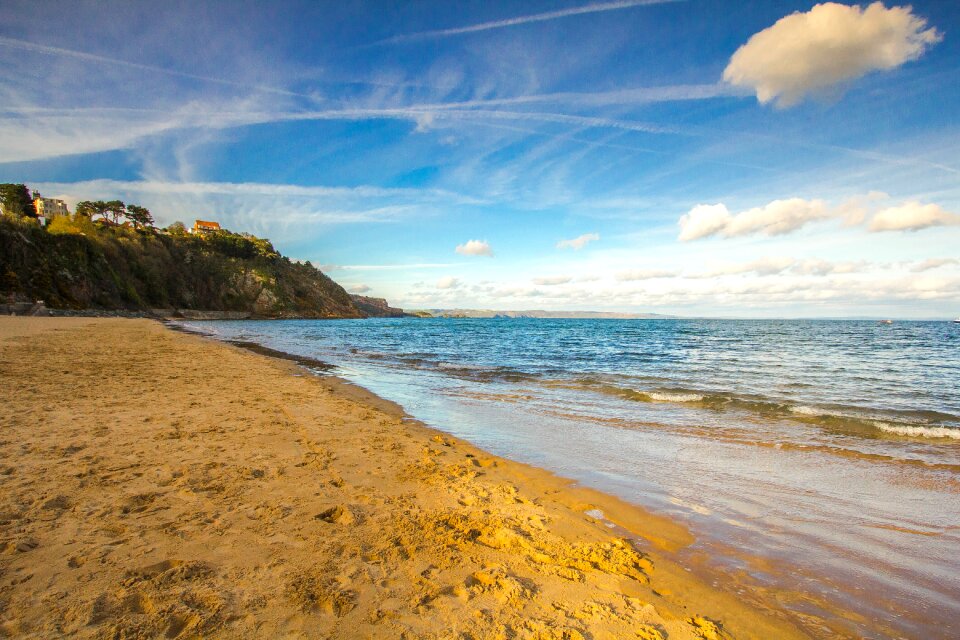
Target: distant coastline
(537, 313)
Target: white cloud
(359, 288)
(553, 280)
(814, 52)
(933, 263)
(648, 274)
(912, 216)
(762, 267)
(775, 265)
(785, 216)
(424, 122)
(815, 267)
(579, 242)
(448, 282)
(475, 248)
(703, 220)
(778, 217)
(775, 218)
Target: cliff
(376, 307)
(94, 266)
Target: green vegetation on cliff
(78, 263)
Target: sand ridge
(155, 484)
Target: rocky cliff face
(110, 268)
(376, 307)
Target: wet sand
(157, 484)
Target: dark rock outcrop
(376, 307)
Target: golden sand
(156, 484)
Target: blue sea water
(832, 447)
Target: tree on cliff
(117, 210)
(140, 216)
(177, 229)
(16, 200)
(89, 209)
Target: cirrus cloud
(814, 52)
(475, 248)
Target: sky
(691, 157)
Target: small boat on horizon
(886, 322)
(956, 320)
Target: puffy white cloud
(475, 248)
(814, 52)
(448, 282)
(644, 274)
(579, 242)
(552, 280)
(775, 218)
(359, 288)
(785, 216)
(933, 263)
(912, 216)
(778, 217)
(703, 220)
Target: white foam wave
(462, 366)
(662, 396)
(806, 411)
(919, 432)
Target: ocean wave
(463, 366)
(851, 420)
(665, 396)
(919, 431)
(804, 410)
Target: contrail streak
(26, 45)
(512, 22)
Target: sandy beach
(159, 484)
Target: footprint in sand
(139, 503)
(312, 592)
(337, 515)
(706, 628)
(648, 632)
(26, 545)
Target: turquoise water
(831, 448)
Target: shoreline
(437, 529)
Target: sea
(814, 461)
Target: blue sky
(696, 157)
